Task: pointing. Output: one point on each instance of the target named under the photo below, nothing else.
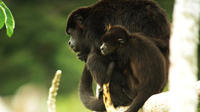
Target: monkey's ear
(121, 41)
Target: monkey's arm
(98, 66)
(86, 93)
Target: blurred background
(37, 49)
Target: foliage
(39, 46)
(6, 18)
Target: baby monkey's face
(114, 38)
(107, 48)
(111, 44)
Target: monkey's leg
(139, 100)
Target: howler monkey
(87, 25)
(145, 61)
(98, 65)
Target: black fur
(87, 25)
(146, 63)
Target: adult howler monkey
(146, 63)
(86, 26)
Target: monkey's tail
(92, 102)
(86, 93)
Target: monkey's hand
(82, 56)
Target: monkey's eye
(121, 41)
(69, 31)
(79, 20)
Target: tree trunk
(183, 56)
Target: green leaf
(10, 23)
(2, 17)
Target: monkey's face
(78, 43)
(75, 29)
(113, 39)
(107, 48)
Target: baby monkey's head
(115, 37)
